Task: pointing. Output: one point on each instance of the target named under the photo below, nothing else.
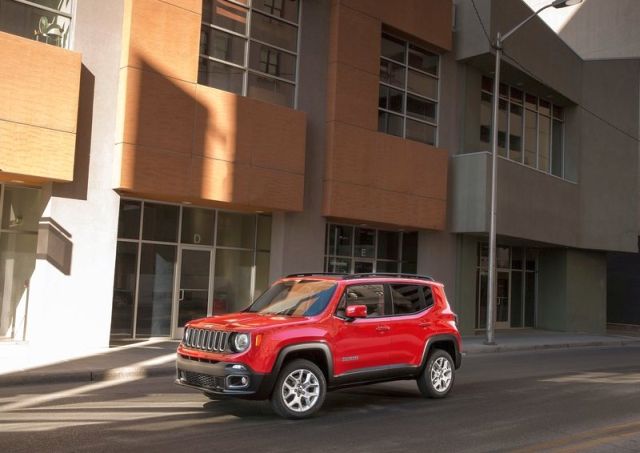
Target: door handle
(425, 324)
(383, 328)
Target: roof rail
(311, 274)
(388, 274)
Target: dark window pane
(372, 296)
(388, 245)
(516, 258)
(197, 226)
(264, 232)
(409, 268)
(286, 9)
(272, 61)
(545, 107)
(531, 102)
(503, 257)
(340, 240)
(407, 299)
(487, 84)
(516, 95)
(515, 132)
(363, 267)
(410, 247)
(485, 117)
(532, 259)
(129, 219)
(516, 299)
(422, 84)
(504, 90)
(225, 14)
(273, 31)
(558, 112)
(557, 148)
(391, 124)
(502, 127)
(124, 289)
(156, 290)
(423, 60)
(544, 135)
(236, 230)
(529, 299)
(223, 46)
(421, 132)
(339, 265)
(271, 90)
(530, 138)
(393, 48)
(160, 222)
(221, 76)
(391, 99)
(262, 273)
(421, 108)
(232, 283)
(365, 240)
(387, 266)
(392, 73)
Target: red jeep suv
(310, 333)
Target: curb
(486, 349)
(86, 376)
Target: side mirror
(356, 311)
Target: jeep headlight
(240, 342)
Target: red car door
(362, 343)
(410, 324)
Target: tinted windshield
(295, 298)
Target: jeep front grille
(205, 339)
(202, 380)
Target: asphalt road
(561, 400)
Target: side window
(409, 299)
(370, 295)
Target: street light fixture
(491, 296)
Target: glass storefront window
(236, 230)
(232, 283)
(129, 219)
(18, 242)
(124, 288)
(155, 295)
(177, 280)
(160, 222)
(352, 249)
(197, 226)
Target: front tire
(436, 380)
(299, 390)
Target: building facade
(166, 160)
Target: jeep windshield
(295, 298)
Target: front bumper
(222, 378)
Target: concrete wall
(464, 298)
(572, 291)
(597, 28)
(298, 238)
(74, 306)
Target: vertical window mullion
(405, 90)
(247, 48)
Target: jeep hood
(246, 321)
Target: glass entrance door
(193, 288)
(502, 299)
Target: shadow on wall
(179, 140)
(77, 189)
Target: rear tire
(299, 390)
(436, 380)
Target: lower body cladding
(223, 378)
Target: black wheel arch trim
(437, 338)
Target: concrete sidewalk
(157, 357)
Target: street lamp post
(491, 290)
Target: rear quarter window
(410, 298)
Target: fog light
(237, 382)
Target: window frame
(245, 67)
(535, 110)
(406, 92)
(422, 296)
(343, 299)
(71, 15)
